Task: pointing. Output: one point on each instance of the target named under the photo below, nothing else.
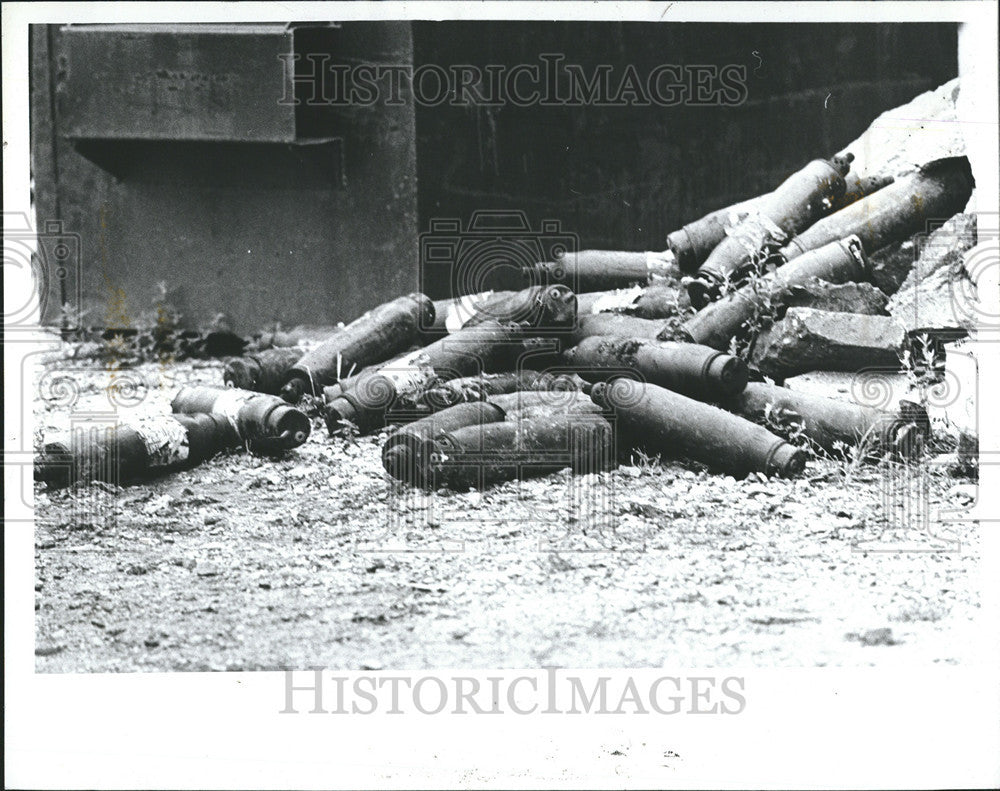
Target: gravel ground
(318, 558)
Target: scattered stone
(781, 619)
(49, 650)
(872, 637)
(808, 340)
(152, 641)
(98, 624)
(889, 147)
(967, 492)
(844, 298)
(206, 568)
(937, 285)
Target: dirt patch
(318, 558)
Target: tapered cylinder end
(337, 412)
(240, 373)
(293, 391)
(427, 312)
(682, 246)
(407, 462)
(786, 460)
(293, 425)
(54, 465)
(908, 436)
(702, 289)
(729, 373)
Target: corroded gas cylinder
(129, 452)
(377, 335)
(262, 372)
(479, 388)
(265, 423)
(800, 200)
(616, 324)
(601, 270)
(482, 455)
(407, 452)
(829, 421)
(841, 261)
(661, 300)
(660, 421)
(937, 191)
(857, 187)
(692, 243)
(453, 314)
(542, 308)
(688, 368)
(371, 399)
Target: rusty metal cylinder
(692, 243)
(482, 455)
(371, 400)
(479, 388)
(377, 335)
(857, 187)
(542, 308)
(129, 452)
(828, 422)
(662, 300)
(518, 406)
(601, 270)
(688, 368)
(616, 324)
(265, 423)
(840, 261)
(663, 422)
(407, 452)
(452, 314)
(937, 191)
(262, 372)
(800, 200)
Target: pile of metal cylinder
(597, 357)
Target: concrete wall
(263, 232)
(624, 178)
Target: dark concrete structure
(168, 152)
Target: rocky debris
(937, 280)
(206, 568)
(872, 637)
(905, 138)
(809, 340)
(843, 298)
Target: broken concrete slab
(932, 293)
(814, 340)
(837, 298)
(909, 136)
